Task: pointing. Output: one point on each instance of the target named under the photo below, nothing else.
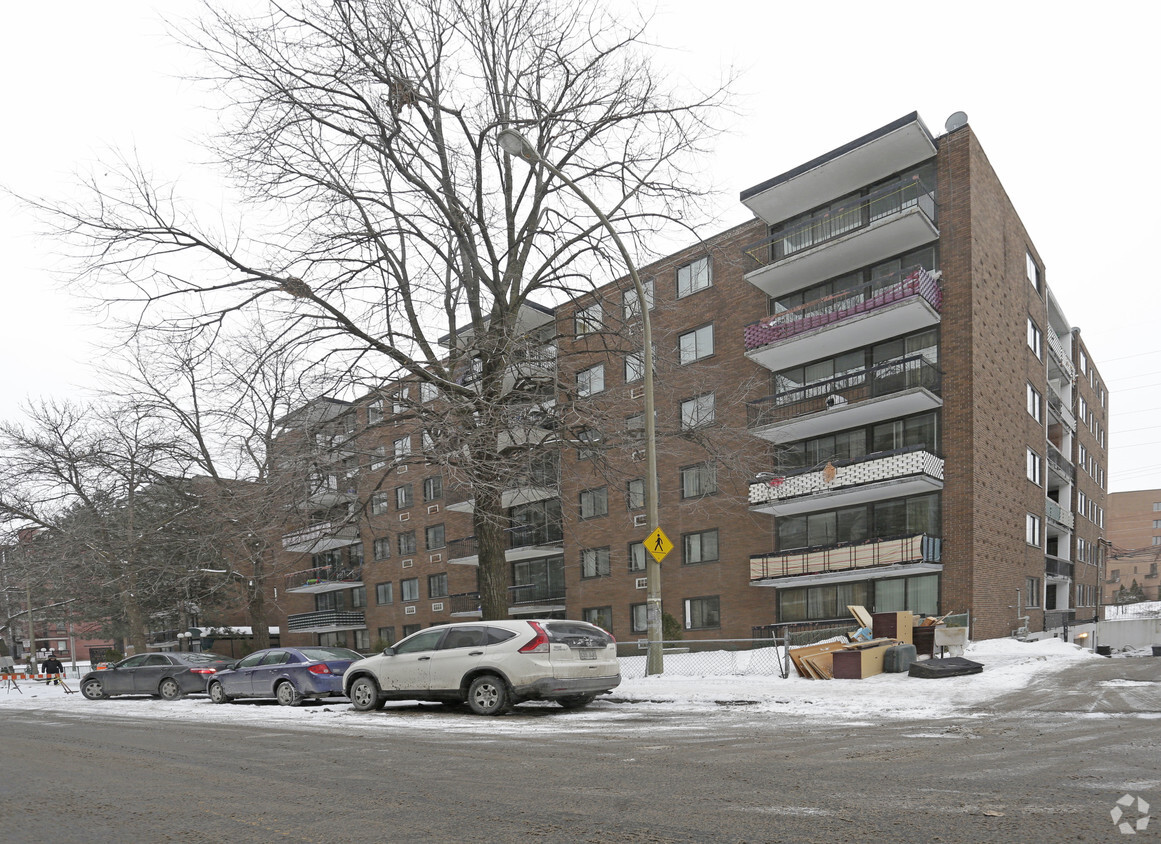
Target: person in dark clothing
(52, 665)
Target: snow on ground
(1008, 666)
(1143, 609)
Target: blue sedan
(289, 675)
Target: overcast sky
(1063, 103)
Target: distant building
(1134, 529)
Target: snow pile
(1144, 609)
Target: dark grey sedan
(164, 675)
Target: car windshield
(330, 653)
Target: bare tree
(390, 233)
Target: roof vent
(956, 121)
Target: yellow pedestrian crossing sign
(658, 544)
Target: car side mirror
(231, 665)
(389, 652)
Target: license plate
(588, 653)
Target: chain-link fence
(706, 657)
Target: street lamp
(517, 146)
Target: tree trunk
(491, 544)
(256, 604)
(134, 618)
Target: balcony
(325, 621)
(843, 483)
(532, 598)
(854, 318)
(511, 498)
(1056, 567)
(1060, 464)
(1058, 514)
(894, 219)
(1061, 412)
(1060, 357)
(524, 544)
(323, 579)
(845, 557)
(321, 536)
(887, 390)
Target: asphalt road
(1040, 765)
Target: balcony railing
(828, 310)
(1060, 463)
(1062, 412)
(1058, 514)
(325, 621)
(859, 214)
(321, 536)
(1055, 567)
(520, 537)
(844, 556)
(323, 575)
(883, 379)
(1058, 352)
(467, 603)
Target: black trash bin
(1157, 650)
(1104, 650)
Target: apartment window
(437, 585)
(637, 556)
(387, 636)
(428, 391)
(433, 489)
(404, 497)
(698, 480)
(435, 537)
(362, 640)
(634, 367)
(1032, 586)
(1157, 524)
(355, 555)
(635, 494)
(601, 617)
(703, 613)
(409, 589)
(426, 442)
(639, 617)
(1081, 503)
(358, 597)
(1035, 339)
(632, 305)
(697, 412)
(408, 629)
(384, 593)
(1034, 404)
(589, 440)
(402, 448)
(375, 412)
(1157, 540)
(378, 457)
(590, 381)
(406, 542)
(595, 562)
(382, 548)
(588, 320)
(1083, 358)
(700, 547)
(694, 276)
(594, 502)
(379, 503)
(1034, 467)
(695, 345)
(1032, 270)
(1032, 530)
(399, 402)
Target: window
(404, 497)
(695, 345)
(639, 617)
(379, 502)
(1032, 585)
(632, 304)
(437, 585)
(701, 547)
(1034, 467)
(426, 442)
(408, 629)
(634, 367)
(1083, 362)
(594, 502)
(1032, 530)
(387, 636)
(595, 562)
(1034, 404)
(384, 593)
(588, 320)
(698, 480)
(590, 381)
(355, 555)
(362, 640)
(1033, 271)
(1035, 339)
(407, 542)
(427, 392)
(399, 402)
(402, 448)
(697, 412)
(601, 617)
(435, 537)
(433, 489)
(635, 494)
(409, 589)
(702, 613)
(375, 412)
(635, 426)
(1157, 540)
(1157, 524)
(693, 277)
(637, 556)
(589, 440)
(378, 457)
(358, 597)
(382, 548)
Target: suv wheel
(488, 695)
(364, 695)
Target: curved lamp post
(517, 146)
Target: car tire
(488, 695)
(169, 689)
(364, 695)
(576, 701)
(286, 694)
(93, 690)
(218, 693)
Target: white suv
(490, 665)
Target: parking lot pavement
(1130, 686)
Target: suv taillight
(538, 645)
(321, 668)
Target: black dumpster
(1157, 650)
(1104, 650)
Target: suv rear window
(496, 635)
(577, 634)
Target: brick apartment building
(865, 395)
(1134, 531)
